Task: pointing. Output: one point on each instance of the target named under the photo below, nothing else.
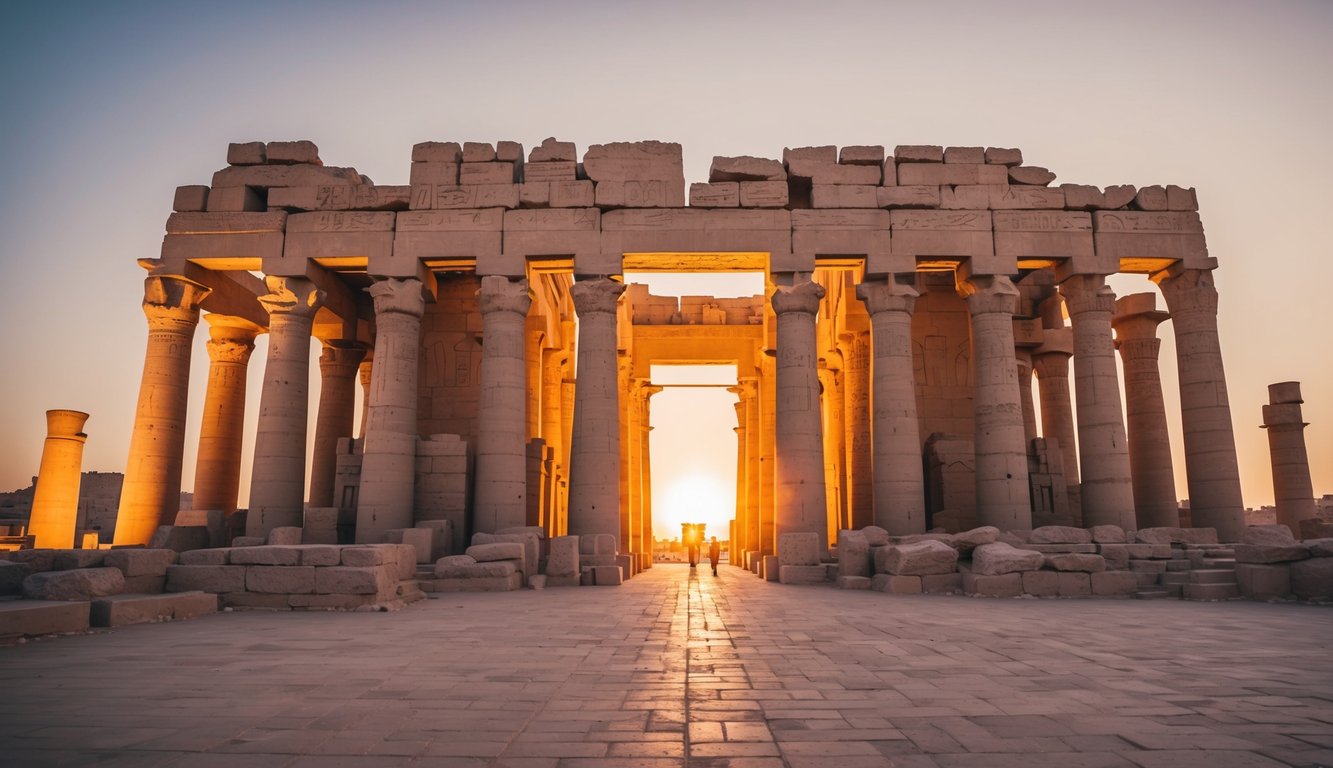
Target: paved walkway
(675, 669)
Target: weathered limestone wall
(449, 387)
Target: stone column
(1136, 322)
(150, 494)
(768, 486)
(899, 488)
(742, 485)
(338, 367)
(501, 474)
(594, 460)
(754, 466)
(646, 472)
(277, 480)
(800, 503)
(1292, 490)
(1205, 412)
(856, 420)
(1050, 362)
(55, 500)
(1023, 369)
(388, 467)
(217, 469)
(1106, 488)
(364, 373)
(1001, 457)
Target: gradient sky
(107, 107)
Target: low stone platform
(125, 610)
(678, 668)
(26, 618)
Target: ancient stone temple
(884, 378)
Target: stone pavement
(675, 669)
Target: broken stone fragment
(292, 153)
(745, 168)
(1031, 174)
(551, 150)
(918, 153)
(246, 153)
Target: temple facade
(503, 366)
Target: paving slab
(680, 668)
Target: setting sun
(695, 498)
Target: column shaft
(1205, 411)
(1150, 460)
(1107, 489)
(899, 488)
(1001, 458)
(594, 461)
(800, 504)
(217, 471)
(856, 419)
(501, 474)
(388, 466)
(277, 480)
(150, 494)
(338, 366)
(55, 500)
(1293, 491)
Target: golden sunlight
(696, 498)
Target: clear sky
(106, 107)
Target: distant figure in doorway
(714, 553)
(693, 549)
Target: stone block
(206, 578)
(921, 558)
(37, 559)
(365, 556)
(454, 568)
(722, 194)
(352, 580)
(320, 554)
(1147, 566)
(913, 196)
(508, 151)
(1263, 582)
(508, 583)
(1227, 591)
(280, 579)
(844, 195)
(442, 536)
(1149, 551)
(247, 541)
(918, 153)
(764, 194)
(1316, 528)
(246, 153)
(142, 562)
(255, 601)
(1030, 174)
(1267, 536)
(965, 155)
(202, 556)
(965, 197)
(802, 574)
(1004, 156)
(1320, 547)
(292, 153)
(770, 569)
(1041, 583)
(30, 618)
(284, 535)
(1313, 579)
(1253, 553)
(144, 585)
(1166, 535)
(1076, 562)
(70, 559)
(938, 174)
(942, 584)
(799, 549)
(853, 582)
(552, 171)
(437, 152)
(1073, 584)
(12, 575)
(1000, 558)
(124, 610)
(433, 174)
(180, 538)
(992, 585)
(862, 155)
(266, 555)
(1114, 583)
(331, 602)
(896, 585)
(854, 558)
(969, 540)
(484, 553)
(478, 152)
(80, 584)
(487, 173)
(1060, 534)
(607, 575)
(420, 539)
(1082, 197)
(822, 154)
(1107, 534)
(563, 558)
(597, 544)
(192, 198)
(875, 536)
(234, 200)
(551, 150)
(746, 168)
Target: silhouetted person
(714, 553)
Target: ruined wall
(942, 356)
(450, 365)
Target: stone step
(124, 610)
(27, 618)
(1212, 591)
(1152, 594)
(1219, 562)
(1176, 577)
(1147, 578)
(1174, 590)
(1213, 576)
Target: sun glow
(696, 498)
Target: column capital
(799, 298)
(405, 296)
(231, 339)
(341, 357)
(1137, 317)
(500, 294)
(989, 294)
(294, 296)
(1187, 290)
(1087, 293)
(68, 425)
(172, 302)
(599, 294)
(887, 296)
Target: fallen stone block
(527, 538)
(799, 549)
(770, 569)
(81, 584)
(1315, 528)
(483, 553)
(992, 585)
(563, 559)
(597, 544)
(1168, 535)
(853, 582)
(1108, 534)
(1076, 562)
(1114, 583)
(746, 168)
(266, 555)
(1319, 547)
(607, 575)
(1060, 534)
(537, 582)
(1254, 553)
(30, 618)
(292, 153)
(921, 559)
(1041, 583)
(969, 540)
(1000, 558)
(320, 554)
(474, 570)
(1030, 174)
(1263, 582)
(420, 539)
(802, 574)
(1313, 579)
(854, 558)
(12, 575)
(1267, 536)
(142, 562)
(37, 559)
(124, 610)
(70, 559)
(942, 584)
(215, 579)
